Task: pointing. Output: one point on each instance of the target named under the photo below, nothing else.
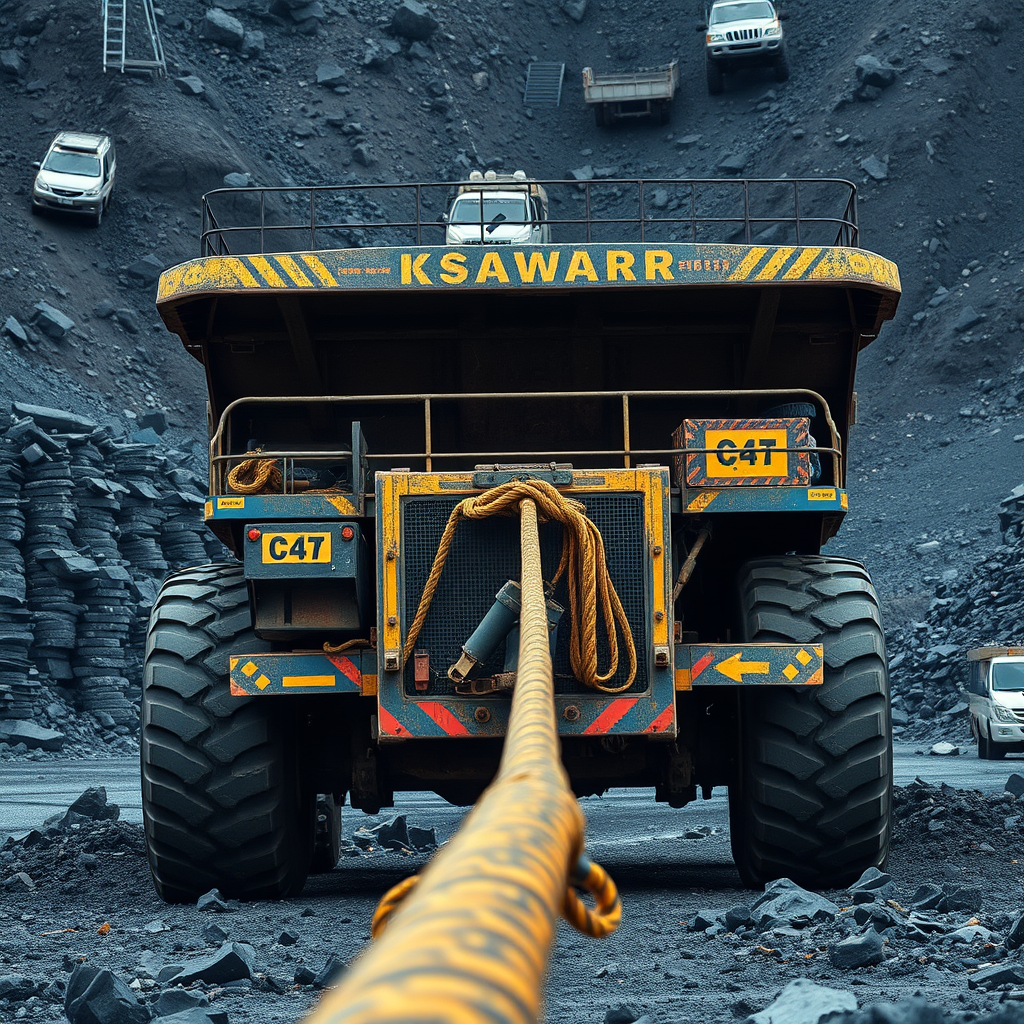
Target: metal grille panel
(485, 554)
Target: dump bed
(625, 86)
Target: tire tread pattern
(222, 804)
(814, 797)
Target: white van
(996, 689)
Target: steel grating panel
(485, 554)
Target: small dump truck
(645, 93)
(667, 390)
(995, 686)
(498, 209)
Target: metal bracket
(553, 472)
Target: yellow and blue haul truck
(693, 395)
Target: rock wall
(89, 526)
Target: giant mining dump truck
(682, 365)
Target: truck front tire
(812, 799)
(782, 67)
(222, 795)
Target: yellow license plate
(742, 453)
(281, 548)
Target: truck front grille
(485, 554)
(742, 35)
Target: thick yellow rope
(582, 556)
(255, 475)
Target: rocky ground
(915, 101)
(946, 918)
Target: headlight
(716, 37)
(773, 30)
(41, 186)
(1003, 714)
(92, 191)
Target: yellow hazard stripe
(775, 264)
(323, 275)
(801, 263)
(748, 263)
(292, 269)
(263, 267)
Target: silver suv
(743, 33)
(76, 175)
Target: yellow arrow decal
(733, 668)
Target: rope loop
(583, 562)
(389, 903)
(607, 913)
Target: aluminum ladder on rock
(115, 38)
(544, 84)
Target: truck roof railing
(770, 211)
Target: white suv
(76, 175)
(743, 33)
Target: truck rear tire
(222, 796)
(813, 795)
(716, 81)
(782, 67)
(327, 841)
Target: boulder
(330, 75)
(232, 962)
(14, 330)
(35, 737)
(219, 27)
(786, 903)
(55, 419)
(93, 804)
(146, 271)
(190, 85)
(864, 950)
(413, 21)
(99, 997)
(871, 71)
(51, 321)
(12, 63)
(803, 1002)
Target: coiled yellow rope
(255, 475)
(583, 558)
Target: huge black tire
(813, 797)
(782, 67)
(222, 795)
(716, 81)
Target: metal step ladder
(116, 15)
(544, 84)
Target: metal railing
(741, 210)
(224, 455)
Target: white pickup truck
(742, 33)
(996, 688)
(498, 209)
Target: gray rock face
(732, 163)
(863, 950)
(872, 885)
(968, 319)
(178, 1000)
(253, 44)
(413, 20)
(16, 987)
(803, 1002)
(99, 997)
(786, 903)
(219, 27)
(997, 974)
(14, 330)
